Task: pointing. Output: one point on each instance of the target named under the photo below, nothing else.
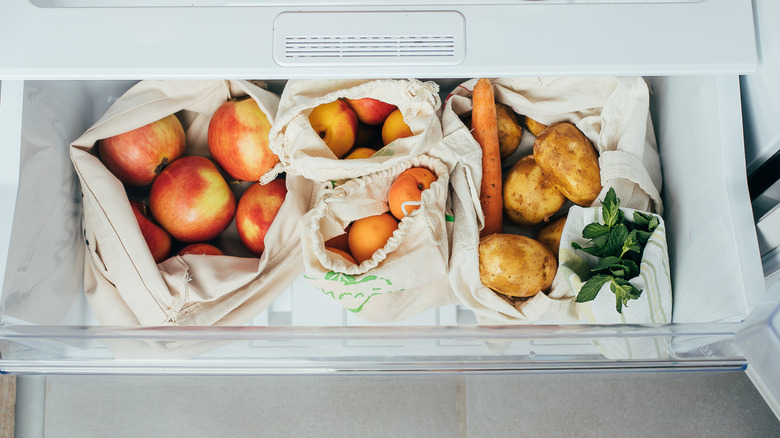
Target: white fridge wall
(714, 256)
(712, 242)
(761, 90)
(502, 39)
(10, 138)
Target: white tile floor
(566, 405)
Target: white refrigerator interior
(57, 83)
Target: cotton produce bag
(303, 152)
(122, 282)
(405, 277)
(613, 113)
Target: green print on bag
(384, 152)
(349, 280)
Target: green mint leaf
(592, 287)
(592, 250)
(615, 240)
(600, 241)
(634, 293)
(606, 263)
(623, 283)
(618, 271)
(611, 208)
(631, 239)
(647, 221)
(654, 223)
(594, 230)
(643, 236)
(632, 270)
(624, 291)
(642, 219)
(620, 296)
(631, 244)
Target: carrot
(484, 128)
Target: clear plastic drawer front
(47, 325)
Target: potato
(509, 130)
(529, 197)
(514, 265)
(533, 126)
(570, 162)
(550, 234)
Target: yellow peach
(395, 127)
(336, 124)
(358, 153)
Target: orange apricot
(342, 253)
(406, 191)
(370, 234)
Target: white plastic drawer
(47, 325)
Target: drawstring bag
(405, 277)
(613, 113)
(122, 282)
(303, 152)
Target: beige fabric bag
(122, 282)
(408, 275)
(614, 114)
(303, 152)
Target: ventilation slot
(442, 46)
(375, 38)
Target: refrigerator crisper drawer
(48, 327)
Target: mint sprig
(619, 245)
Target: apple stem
(162, 165)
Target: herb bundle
(619, 244)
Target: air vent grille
(379, 46)
(372, 39)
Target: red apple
(136, 157)
(256, 211)
(157, 239)
(238, 140)
(201, 249)
(336, 124)
(191, 200)
(371, 111)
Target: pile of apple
(363, 237)
(190, 201)
(357, 128)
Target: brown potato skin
(569, 160)
(509, 130)
(516, 266)
(550, 234)
(533, 126)
(529, 196)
